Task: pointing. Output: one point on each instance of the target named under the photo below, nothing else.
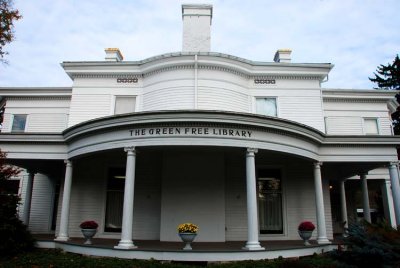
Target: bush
(371, 246)
(14, 236)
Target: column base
(61, 238)
(127, 244)
(323, 241)
(253, 246)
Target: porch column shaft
(252, 214)
(127, 216)
(28, 198)
(366, 208)
(394, 179)
(63, 233)
(319, 201)
(387, 199)
(343, 204)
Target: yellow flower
(187, 228)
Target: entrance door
(269, 192)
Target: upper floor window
(266, 106)
(371, 126)
(124, 104)
(19, 122)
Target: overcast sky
(355, 35)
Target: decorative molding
(107, 75)
(283, 77)
(169, 68)
(354, 99)
(39, 98)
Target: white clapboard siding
(88, 196)
(147, 210)
(168, 99)
(235, 198)
(298, 196)
(40, 122)
(44, 114)
(41, 203)
(344, 125)
(385, 126)
(303, 109)
(222, 99)
(88, 106)
(346, 117)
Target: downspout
(195, 81)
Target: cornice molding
(39, 98)
(354, 99)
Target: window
(115, 200)
(124, 104)
(371, 126)
(269, 192)
(18, 124)
(266, 106)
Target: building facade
(246, 150)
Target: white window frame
(114, 99)
(266, 97)
(12, 123)
(377, 125)
(284, 202)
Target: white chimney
(113, 54)
(196, 28)
(283, 55)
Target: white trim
(181, 255)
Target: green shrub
(14, 236)
(371, 246)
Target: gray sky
(355, 35)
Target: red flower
(306, 226)
(89, 225)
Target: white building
(246, 150)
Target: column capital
(32, 171)
(317, 164)
(394, 163)
(251, 151)
(130, 149)
(68, 162)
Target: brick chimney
(196, 28)
(283, 55)
(113, 54)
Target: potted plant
(305, 231)
(187, 232)
(89, 229)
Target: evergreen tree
(388, 77)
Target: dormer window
(19, 123)
(124, 104)
(266, 106)
(371, 126)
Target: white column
(365, 198)
(343, 204)
(28, 198)
(319, 201)
(387, 200)
(63, 232)
(252, 213)
(127, 216)
(394, 179)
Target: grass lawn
(56, 258)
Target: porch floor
(155, 245)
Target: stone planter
(88, 234)
(305, 235)
(188, 239)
